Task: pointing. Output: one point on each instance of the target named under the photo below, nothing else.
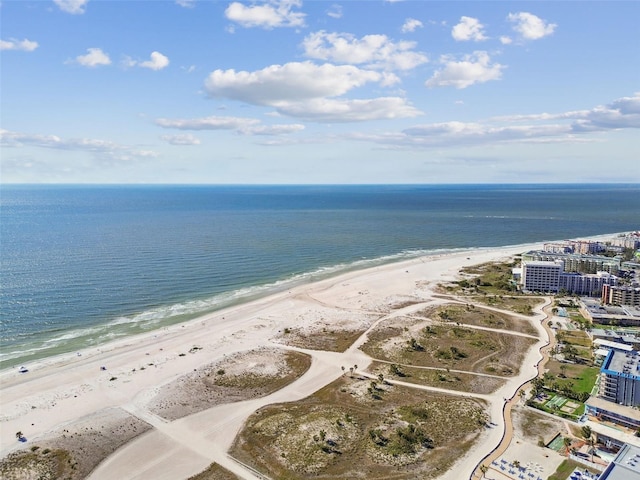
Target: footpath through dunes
(507, 437)
(205, 438)
(63, 392)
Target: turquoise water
(82, 265)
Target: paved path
(506, 412)
(190, 444)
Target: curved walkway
(194, 442)
(506, 411)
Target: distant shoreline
(65, 389)
(254, 293)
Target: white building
(541, 276)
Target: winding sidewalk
(506, 411)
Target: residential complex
(549, 276)
(620, 378)
(619, 389)
(572, 262)
(620, 295)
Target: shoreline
(242, 296)
(60, 390)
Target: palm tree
(19, 435)
(483, 469)
(592, 443)
(567, 443)
(516, 464)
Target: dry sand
(59, 391)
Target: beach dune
(128, 374)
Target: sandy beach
(131, 378)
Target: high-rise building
(620, 378)
(541, 276)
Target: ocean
(83, 265)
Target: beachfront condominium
(620, 378)
(621, 295)
(541, 276)
(574, 262)
(547, 276)
(619, 390)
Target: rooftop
(626, 465)
(623, 362)
(613, 407)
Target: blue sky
(292, 91)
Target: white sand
(60, 390)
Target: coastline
(58, 391)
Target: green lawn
(565, 469)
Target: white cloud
(469, 28)
(271, 14)
(410, 24)
(342, 111)
(94, 58)
(208, 123)
(186, 3)
(75, 7)
(273, 130)
(505, 40)
(374, 51)
(529, 26)
(621, 113)
(335, 11)
(13, 44)
(186, 139)
(438, 134)
(305, 90)
(290, 82)
(565, 127)
(103, 149)
(474, 68)
(157, 62)
(246, 126)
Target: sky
(319, 92)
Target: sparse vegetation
(374, 439)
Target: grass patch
(328, 340)
(342, 431)
(463, 382)
(535, 425)
(576, 337)
(237, 377)
(214, 472)
(565, 469)
(449, 346)
(53, 464)
(582, 378)
(472, 315)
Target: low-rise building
(625, 466)
(620, 295)
(623, 316)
